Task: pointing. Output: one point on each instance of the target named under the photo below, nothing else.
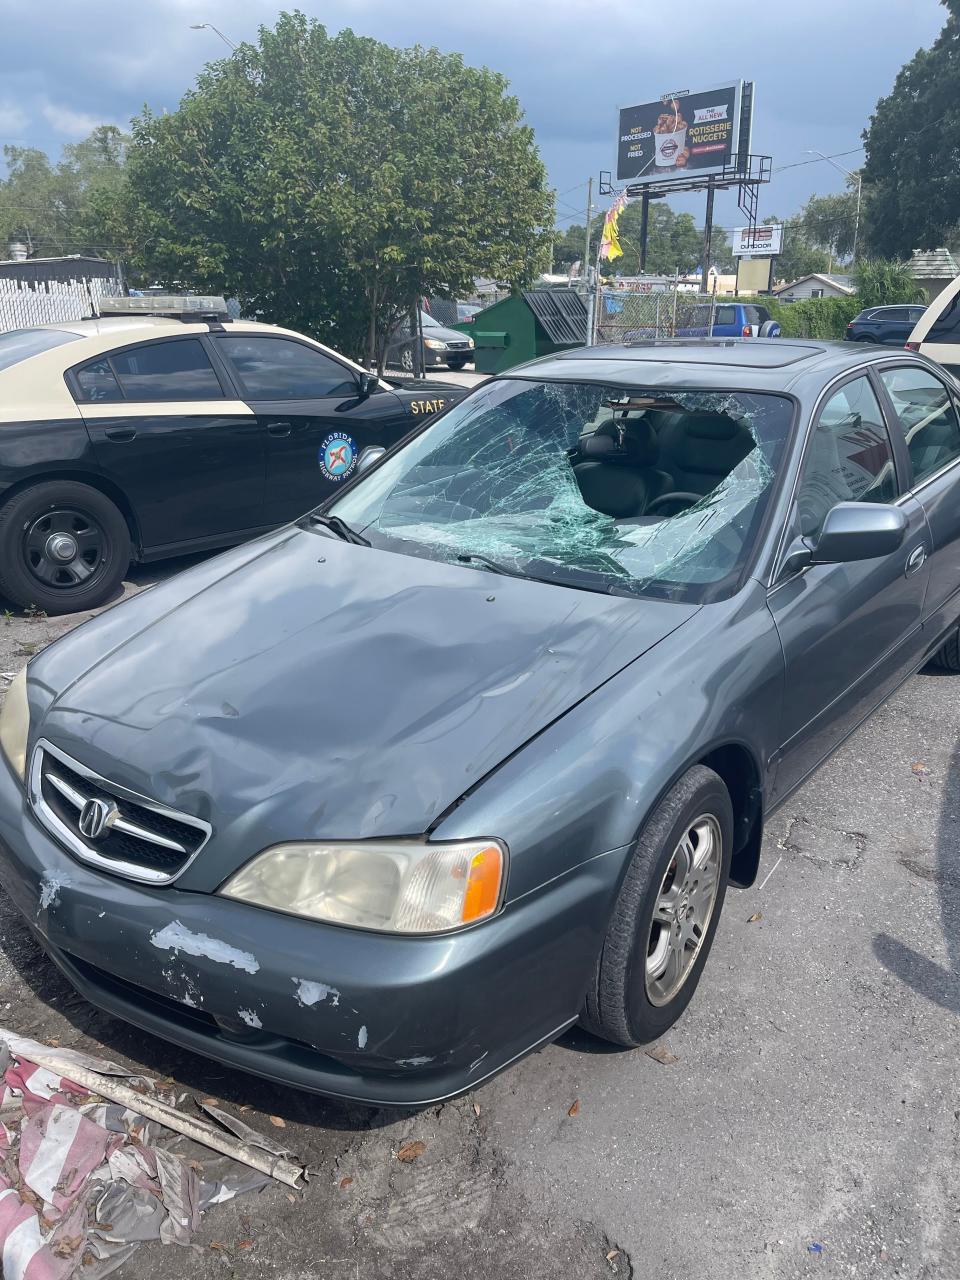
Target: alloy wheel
(684, 906)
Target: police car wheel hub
(64, 548)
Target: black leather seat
(618, 471)
(699, 449)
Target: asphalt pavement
(802, 1119)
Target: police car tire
(19, 585)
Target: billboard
(758, 242)
(680, 135)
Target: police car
(162, 427)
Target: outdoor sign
(758, 242)
(680, 135)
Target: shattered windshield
(606, 488)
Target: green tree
(327, 182)
(829, 223)
(912, 171)
(568, 246)
(882, 281)
(799, 256)
(63, 208)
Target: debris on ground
(660, 1053)
(410, 1151)
(757, 915)
(87, 1166)
(574, 1109)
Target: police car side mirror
(368, 385)
(373, 453)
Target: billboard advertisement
(680, 135)
(758, 242)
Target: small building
(816, 285)
(933, 270)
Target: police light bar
(180, 307)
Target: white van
(937, 333)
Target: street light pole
(859, 178)
(208, 26)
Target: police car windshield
(20, 344)
(633, 490)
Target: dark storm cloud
(820, 66)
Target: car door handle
(121, 434)
(915, 560)
(279, 428)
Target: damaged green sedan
(384, 800)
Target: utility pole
(859, 177)
(585, 269)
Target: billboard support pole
(644, 228)
(708, 235)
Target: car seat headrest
(632, 444)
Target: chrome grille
(109, 826)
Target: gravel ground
(810, 1124)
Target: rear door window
(896, 315)
(850, 458)
(927, 417)
(175, 370)
(96, 383)
(278, 369)
(725, 315)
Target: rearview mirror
(368, 385)
(371, 454)
(851, 531)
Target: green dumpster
(526, 325)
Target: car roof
(774, 364)
(34, 388)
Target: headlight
(434, 344)
(470, 343)
(15, 723)
(396, 887)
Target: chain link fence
(625, 316)
(26, 303)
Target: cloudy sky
(819, 66)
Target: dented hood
(325, 689)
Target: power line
(798, 164)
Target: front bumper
(361, 1016)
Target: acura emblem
(96, 818)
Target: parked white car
(937, 333)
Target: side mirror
(851, 531)
(368, 456)
(368, 385)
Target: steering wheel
(689, 499)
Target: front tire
(666, 914)
(456, 365)
(64, 547)
(947, 657)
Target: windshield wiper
(340, 528)
(494, 566)
(556, 580)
